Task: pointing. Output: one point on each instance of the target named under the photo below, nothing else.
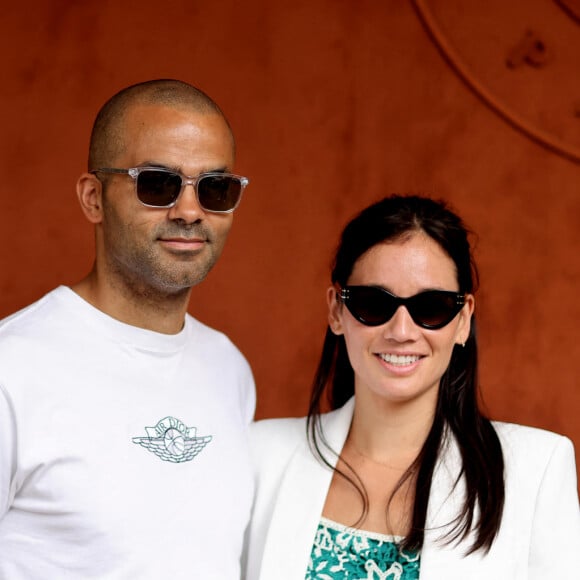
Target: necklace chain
(375, 461)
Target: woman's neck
(388, 433)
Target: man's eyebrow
(179, 170)
(157, 165)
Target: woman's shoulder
(275, 432)
(290, 432)
(514, 434)
(273, 444)
(526, 445)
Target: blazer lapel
(300, 501)
(438, 558)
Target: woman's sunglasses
(158, 187)
(374, 306)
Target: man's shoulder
(201, 328)
(27, 319)
(204, 336)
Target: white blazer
(539, 538)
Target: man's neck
(151, 310)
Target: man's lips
(183, 244)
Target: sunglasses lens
(219, 193)
(158, 188)
(369, 305)
(433, 309)
(374, 306)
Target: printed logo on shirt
(172, 441)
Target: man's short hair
(107, 136)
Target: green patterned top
(340, 552)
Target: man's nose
(187, 206)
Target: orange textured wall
(334, 105)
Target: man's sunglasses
(158, 187)
(374, 306)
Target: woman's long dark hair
(457, 410)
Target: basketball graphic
(171, 440)
(174, 442)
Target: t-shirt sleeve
(7, 452)
(248, 395)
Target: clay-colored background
(334, 103)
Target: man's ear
(334, 311)
(90, 196)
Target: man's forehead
(142, 116)
(165, 134)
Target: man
(122, 418)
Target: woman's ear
(334, 311)
(90, 196)
(464, 327)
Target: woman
(405, 477)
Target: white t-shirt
(123, 452)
